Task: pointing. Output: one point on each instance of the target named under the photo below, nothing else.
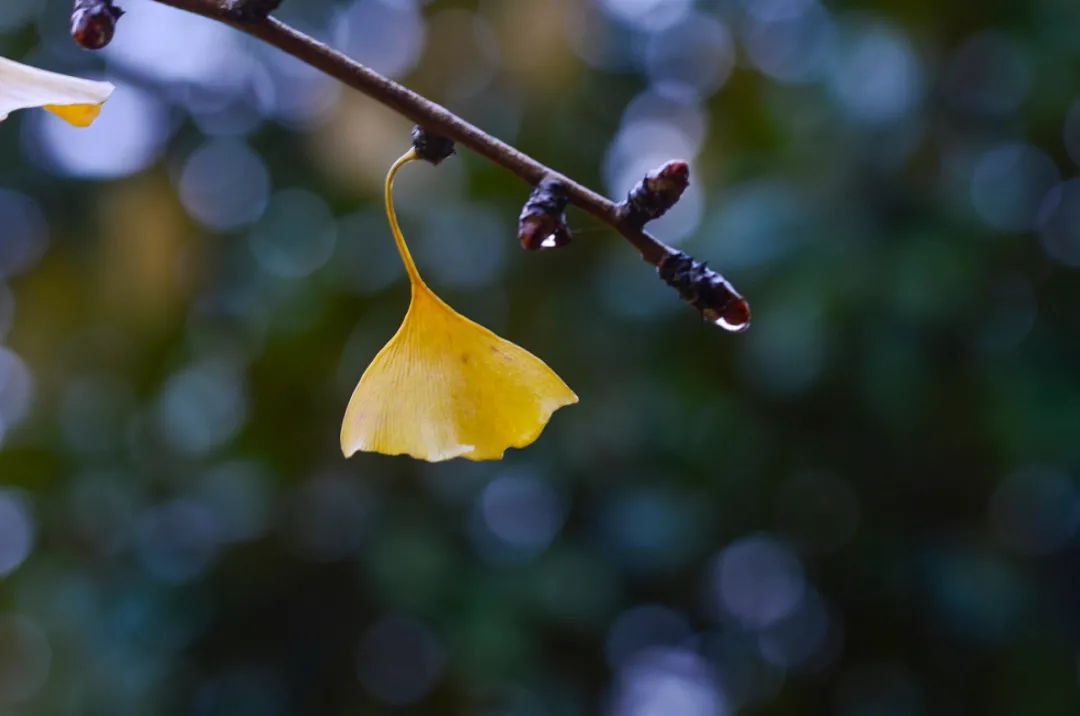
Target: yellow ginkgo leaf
(76, 100)
(446, 387)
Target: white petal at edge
(24, 87)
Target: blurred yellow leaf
(445, 386)
(149, 254)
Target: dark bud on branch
(658, 191)
(707, 291)
(542, 224)
(93, 23)
(431, 147)
(250, 10)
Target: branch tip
(707, 291)
(656, 193)
(93, 23)
(430, 146)
(542, 223)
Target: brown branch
(426, 113)
(250, 16)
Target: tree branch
(250, 16)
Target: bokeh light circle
(1071, 132)
(989, 74)
(16, 532)
(523, 511)
(1059, 223)
(667, 681)
(788, 41)
(400, 660)
(16, 390)
(647, 14)
(296, 236)
(796, 640)
(645, 627)
(329, 518)
(25, 659)
(697, 53)
(1009, 183)
(758, 581)
(7, 310)
(129, 136)
(160, 43)
(225, 185)
(25, 234)
(202, 407)
(177, 541)
(1035, 511)
(875, 74)
(386, 35)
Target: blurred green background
(867, 505)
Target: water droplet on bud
(542, 223)
(734, 317)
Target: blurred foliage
(866, 505)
